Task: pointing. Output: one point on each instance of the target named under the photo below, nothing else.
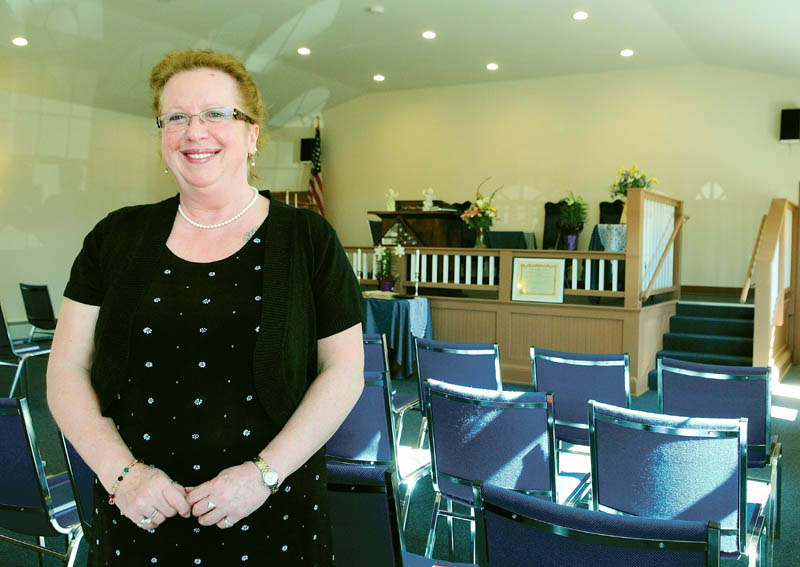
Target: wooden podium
(422, 228)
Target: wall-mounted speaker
(790, 125)
(306, 149)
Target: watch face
(271, 478)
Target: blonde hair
(180, 61)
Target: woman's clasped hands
(147, 497)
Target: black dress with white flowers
(190, 408)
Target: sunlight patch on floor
(780, 412)
(786, 391)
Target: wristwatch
(269, 478)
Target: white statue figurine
(391, 195)
(428, 194)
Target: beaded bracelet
(113, 494)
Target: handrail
(749, 275)
(648, 292)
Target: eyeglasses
(174, 121)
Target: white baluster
(587, 277)
(434, 268)
(614, 275)
(457, 269)
(446, 268)
(479, 275)
(601, 276)
(491, 270)
(468, 274)
(574, 274)
(424, 272)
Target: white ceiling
(99, 52)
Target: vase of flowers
(628, 179)
(573, 216)
(384, 258)
(480, 215)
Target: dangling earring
(166, 171)
(252, 159)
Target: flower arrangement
(573, 213)
(628, 178)
(481, 213)
(385, 258)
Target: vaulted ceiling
(99, 52)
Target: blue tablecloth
(400, 320)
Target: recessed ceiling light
(429, 34)
(303, 51)
(492, 66)
(626, 52)
(378, 78)
(580, 15)
(19, 41)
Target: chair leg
(778, 484)
(451, 528)
(30, 335)
(16, 379)
(41, 558)
(432, 533)
(73, 542)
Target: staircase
(708, 333)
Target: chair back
(363, 515)
(38, 307)
(671, 467)
(611, 212)
(711, 390)
(551, 234)
(505, 438)
(518, 530)
(82, 479)
(574, 379)
(467, 364)
(376, 357)
(6, 342)
(367, 433)
(25, 502)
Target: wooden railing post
(633, 248)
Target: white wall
(63, 167)
(710, 134)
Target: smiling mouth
(199, 155)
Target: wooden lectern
(415, 227)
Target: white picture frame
(538, 279)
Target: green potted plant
(573, 216)
(385, 268)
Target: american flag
(315, 181)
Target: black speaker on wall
(790, 125)
(306, 149)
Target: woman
(207, 347)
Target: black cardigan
(309, 293)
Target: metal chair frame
(72, 533)
(436, 474)
(16, 354)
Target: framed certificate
(538, 279)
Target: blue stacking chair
(368, 434)
(574, 379)
(38, 308)
(32, 503)
(506, 438)
(713, 390)
(82, 479)
(364, 522)
(517, 530)
(674, 467)
(16, 353)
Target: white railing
(658, 223)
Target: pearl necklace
(223, 223)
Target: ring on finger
(227, 523)
(211, 505)
(148, 519)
